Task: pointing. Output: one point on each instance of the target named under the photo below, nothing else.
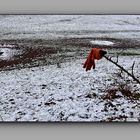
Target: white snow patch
(102, 42)
(7, 53)
(7, 46)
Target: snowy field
(68, 93)
(54, 26)
(41, 68)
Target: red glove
(90, 62)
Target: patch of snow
(119, 93)
(7, 46)
(7, 53)
(102, 42)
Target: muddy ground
(39, 52)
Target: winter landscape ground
(41, 68)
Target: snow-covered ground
(54, 26)
(67, 92)
(49, 93)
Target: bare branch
(123, 69)
(110, 57)
(133, 68)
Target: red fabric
(90, 62)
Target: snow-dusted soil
(41, 74)
(54, 26)
(68, 93)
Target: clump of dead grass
(121, 88)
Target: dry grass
(123, 86)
